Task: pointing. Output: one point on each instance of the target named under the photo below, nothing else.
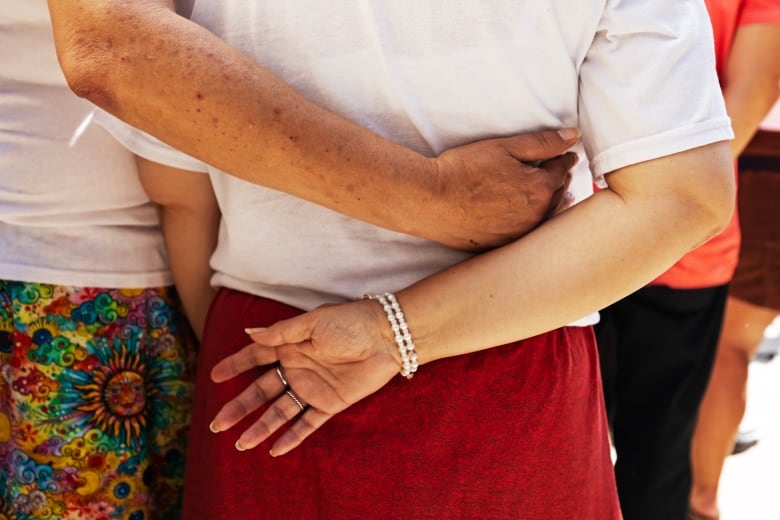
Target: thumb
(293, 330)
(539, 146)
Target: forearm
(172, 78)
(747, 107)
(189, 219)
(190, 240)
(577, 263)
(753, 80)
(175, 80)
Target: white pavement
(750, 485)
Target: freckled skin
(176, 79)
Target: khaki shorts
(757, 278)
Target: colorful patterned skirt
(95, 394)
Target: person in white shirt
(96, 356)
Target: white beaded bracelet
(403, 338)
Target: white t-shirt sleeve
(146, 146)
(641, 94)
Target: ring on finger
(295, 399)
(281, 376)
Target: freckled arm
(172, 78)
(166, 75)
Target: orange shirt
(714, 262)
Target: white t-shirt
(69, 214)
(637, 77)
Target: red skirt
(514, 432)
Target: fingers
(565, 202)
(541, 145)
(559, 169)
(249, 357)
(285, 408)
(561, 164)
(262, 390)
(293, 330)
(282, 410)
(307, 424)
(561, 199)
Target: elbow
(721, 211)
(715, 205)
(86, 44)
(708, 219)
(97, 40)
(86, 68)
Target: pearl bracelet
(403, 338)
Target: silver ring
(295, 399)
(281, 376)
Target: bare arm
(579, 262)
(162, 73)
(574, 264)
(189, 217)
(752, 83)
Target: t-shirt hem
(83, 279)
(147, 146)
(307, 300)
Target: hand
(495, 191)
(331, 358)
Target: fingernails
(568, 196)
(253, 330)
(213, 427)
(271, 453)
(239, 447)
(569, 134)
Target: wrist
(397, 329)
(419, 201)
(380, 325)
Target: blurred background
(750, 485)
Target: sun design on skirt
(114, 395)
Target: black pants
(657, 348)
